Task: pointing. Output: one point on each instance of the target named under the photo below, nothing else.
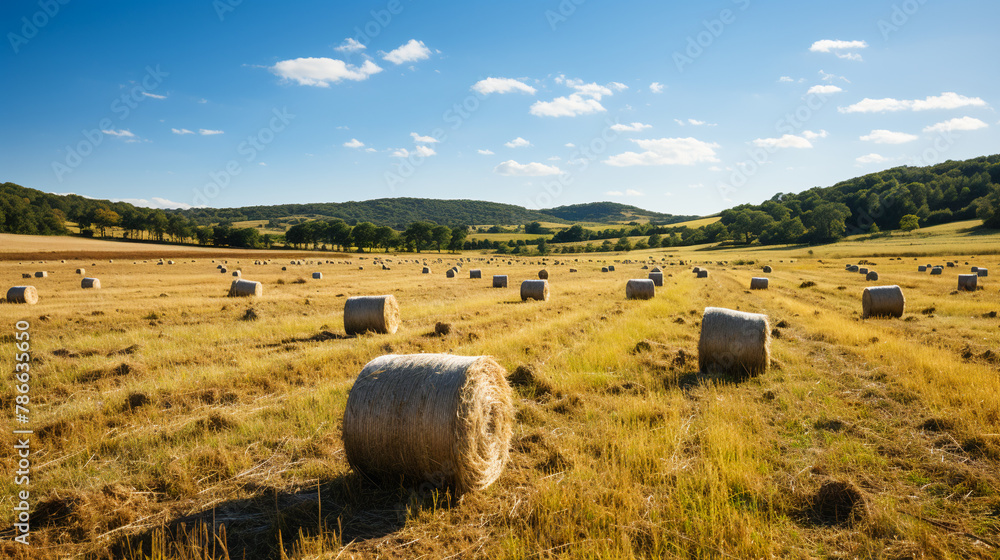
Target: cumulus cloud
(181, 131)
(882, 136)
(501, 85)
(964, 123)
(400, 153)
(947, 100)
(814, 135)
(532, 169)
(207, 132)
(667, 151)
(153, 95)
(354, 143)
(123, 133)
(838, 48)
(425, 151)
(614, 193)
(872, 158)
(321, 72)
(517, 143)
(585, 100)
(418, 139)
(153, 202)
(618, 86)
(411, 51)
(350, 45)
(786, 80)
(824, 90)
(656, 87)
(485, 152)
(634, 127)
(790, 140)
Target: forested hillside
(612, 212)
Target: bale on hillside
(758, 283)
(921, 268)
(734, 342)
(982, 272)
(657, 278)
(974, 269)
(572, 270)
(223, 271)
(951, 264)
(767, 270)
(853, 268)
(81, 271)
(937, 271)
(535, 289)
(317, 275)
(475, 273)
(703, 273)
(967, 282)
(500, 281)
(41, 274)
(656, 269)
(22, 294)
(378, 314)
(872, 276)
(640, 288)
(437, 418)
(91, 283)
(543, 274)
(245, 288)
(882, 301)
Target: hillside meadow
(173, 422)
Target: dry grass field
(172, 422)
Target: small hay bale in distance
(734, 342)
(604, 269)
(450, 273)
(853, 268)
(499, 280)
(22, 294)
(377, 314)
(94, 283)
(543, 274)
(611, 268)
(982, 272)
(430, 418)
(317, 275)
(245, 288)
(696, 269)
(535, 289)
(426, 270)
(921, 268)
(475, 273)
(882, 301)
(41, 274)
(25, 275)
(872, 276)
(657, 278)
(974, 269)
(967, 282)
(937, 271)
(767, 270)
(863, 271)
(640, 288)
(758, 283)
(81, 271)
(702, 273)
(238, 273)
(223, 271)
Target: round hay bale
(237, 273)
(982, 272)
(611, 268)
(475, 273)
(703, 273)
(871, 276)
(41, 274)
(91, 283)
(81, 271)
(436, 418)
(863, 271)
(245, 288)
(450, 273)
(640, 288)
(951, 264)
(25, 275)
(535, 289)
(767, 270)
(967, 282)
(604, 269)
(937, 271)
(758, 283)
(657, 278)
(572, 270)
(734, 342)
(22, 294)
(426, 270)
(921, 269)
(499, 280)
(974, 269)
(317, 275)
(882, 301)
(223, 271)
(543, 274)
(378, 314)
(854, 268)
(170, 262)
(696, 269)
(284, 268)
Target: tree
(828, 221)
(543, 248)
(909, 222)
(418, 235)
(364, 235)
(440, 235)
(655, 240)
(458, 235)
(623, 244)
(385, 237)
(534, 228)
(988, 208)
(105, 218)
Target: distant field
(694, 224)
(35, 247)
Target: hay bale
(982, 272)
(937, 271)
(863, 271)
(974, 269)
(604, 269)
(426, 270)
(238, 273)
(451, 273)
(767, 270)
(436, 418)
(41, 274)
(91, 283)
(696, 269)
(245, 288)
(223, 271)
(572, 270)
(657, 278)
(921, 268)
(170, 262)
(543, 274)
(871, 276)
(758, 283)
(640, 288)
(703, 273)
(378, 314)
(499, 280)
(734, 342)
(317, 275)
(81, 271)
(853, 268)
(25, 275)
(951, 264)
(475, 273)
(967, 282)
(535, 289)
(22, 294)
(882, 301)
(611, 268)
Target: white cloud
(830, 77)
(614, 193)
(181, 131)
(369, 150)
(321, 72)
(872, 158)
(155, 202)
(810, 135)
(656, 87)
(411, 51)
(354, 143)
(824, 90)
(667, 151)
(634, 127)
(123, 133)
(632, 192)
(570, 145)
(947, 100)
(425, 151)
(350, 45)
(592, 89)
(532, 169)
(570, 106)
(207, 132)
(964, 123)
(401, 153)
(553, 158)
(838, 48)
(153, 95)
(882, 136)
(202, 100)
(485, 152)
(618, 86)
(786, 80)
(262, 163)
(517, 143)
(501, 85)
(418, 139)
(789, 141)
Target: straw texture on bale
(863, 271)
(500, 281)
(246, 288)
(604, 269)
(317, 275)
(611, 268)
(426, 270)
(22, 294)
(378, 314)
(921, 269)
(937, 271)
(543, 274)
(872, 275)
(734, 342)
(882, 301)
(767, 270)
(475, 273)
(94, 283)
(435, 418)
(657, 278)
(81, 271)
(450, 273)
(696, 269)
(983, 272)
(758, 283)
(967, 282)
(640, 289)
(41, 274)
(703, 273)
(535, 289)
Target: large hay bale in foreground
(22, 294)
(500, 281)
(734, 342)
(640, 288)
(967, 282)
(535, 289)
(245, 288)
(378, 314)
(543, 274)
(475, 273)
(91, 283)
(436, 418)
(758, 283)
(657, 278)
(882, 301)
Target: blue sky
(678, 107)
